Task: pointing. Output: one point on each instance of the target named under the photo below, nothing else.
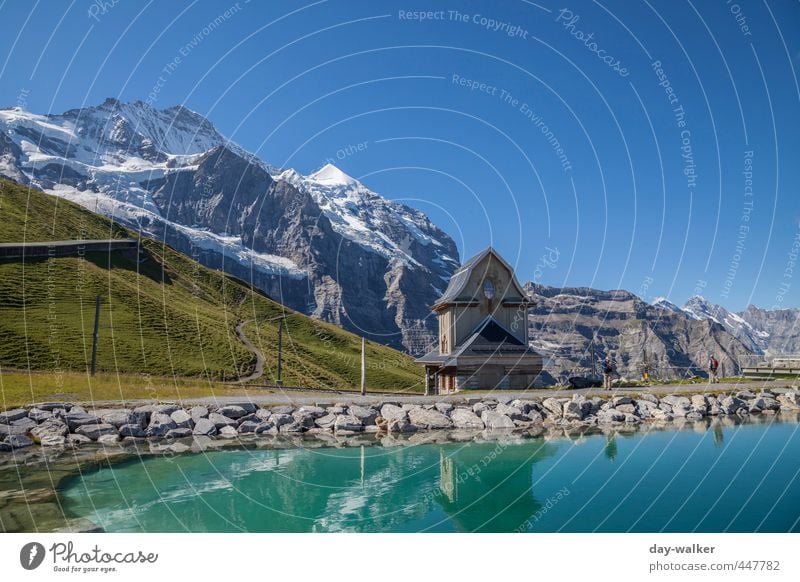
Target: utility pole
(96, 333)
(363, 367)
(279, 382)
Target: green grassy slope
(165, 315)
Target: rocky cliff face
(779, 328)
(638, 335)
(323, 244)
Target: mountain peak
(330, 175)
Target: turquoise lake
(706, 478)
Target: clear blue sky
(300, 83)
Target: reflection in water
(617, 479)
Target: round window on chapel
(488, 289)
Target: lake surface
(708, 478)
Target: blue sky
(600, 144)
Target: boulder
(348, 422)
(9, 429)
(9, 416)
(479, 407)
(18, 441)
(699, 401)
(53, 406)
(160, 425)
(304, 419)
(392, 412)
(145, 412)
(618, 400)
(429, 419)
(525, 405)
(228, 432)
(198, 412)
(610, 415)
(631, 418)
(553, 406)
(77, 419)
(118, 418)
(248, 426)
(730, 404)
(263, 413)
(52, 440)
(465, 418)
(220, 420)
(249, 407)
(573, 410)
(292, 427)
(282, 409)
(495, 420)
(745, 395)
(511, 412)
(25, 424)
(165, 408)
(315, 411)
(365, 414)
(38, 415)
(674, 401)
(535, 416)
(280, 418)
(95, 431)
(626, 408)
(178, 433)
(131, 430)
(326, 421)
(400, 424)
(790, 400)
(232, 411)
(205, 426)
(444, 407)
(50, 429)
(265, 427)
(182, 419)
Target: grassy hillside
(162, 315)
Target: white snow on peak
(330, 175)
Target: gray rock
(178, 433)
(479, 407)
(263, 413)
(248, 426)
(95, 431)
(617, 400)
(628, 408)
(182, 419)
(444, 407)
(205, 426)
(78, 410)
(348, 422)
(315, 411)
(77, 419)
(249, 407)
(145, 412)
(731, 404)
(553, 406)
(198, 412)
(265, 427)
(573, 410)
(9, 416)
(220, 420)
(304, 419)
(288, 410)
(535, 416)
(674, 401)
(631, 418)
(366, 415)
(131, 430)
(232, 411)
(428, 419)
(400, 424)
(699, 401)
(160, 425)
(391, 412)
(326, 421)
(279, 419)
(165, 408)
(26, 424)
(292, 427)
(49, 428)
(610, 415)
(9, 429)
(52, 440)
(496, 421)
(228, 432)
(525, 405)
(53, 406)
(465, 418)
(120, 418)
(18, 441)
(38, 415)
(511, 412)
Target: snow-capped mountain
(665, 304)
(699, 308)
(323, 244)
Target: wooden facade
(483, 331)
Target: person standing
(608, 372)
(713, 366)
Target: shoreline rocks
(65, 425)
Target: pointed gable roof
(461, 277)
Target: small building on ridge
(483, 331)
